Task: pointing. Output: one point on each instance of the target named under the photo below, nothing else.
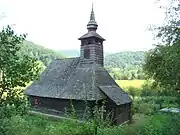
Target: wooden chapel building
(78, 80)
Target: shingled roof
(91, 34)
(68, 79)
(116, 94)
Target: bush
(148, 89)
(134, 92)
(141, 107)
(15, 125)
(152, 104)
(9, 109)
(161, 124)
(151, 88)
(14, 103)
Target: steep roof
(116, 94)
(68, 79)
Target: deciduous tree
(163, 62)
(16, 69)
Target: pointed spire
(92, 17)
(92, 25)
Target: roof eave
(90, 37)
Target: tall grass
(158, 124)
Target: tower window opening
(90, 42)
(87, 53)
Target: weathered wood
(64, 81)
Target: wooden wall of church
(120, 114)
(123, 114)
(59, 105)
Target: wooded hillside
(125, 59)
(40, 52)
(122, 65)
(125, 65)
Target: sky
(57, 24)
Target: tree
(169, 32)
(16, 69)
(163, 62)
(41, 53)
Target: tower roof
(92, 25)
(91, 34)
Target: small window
(89, 42)
(87, 53)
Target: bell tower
(92, 44)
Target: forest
(121, 66)
(43, 54)
(125, 65)
(151, 78)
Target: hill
(125, 59)
(40, 52)
(74, 53)
(125, 65)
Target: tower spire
(91, 44)
(92, 17)
(92, 25)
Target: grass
(130, 83)
(37, 125)
(145, 120)
(141, 125)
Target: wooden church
(80, 80)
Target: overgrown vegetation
(158, 123)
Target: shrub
(141, 107)
(9, 109)
(151, 88)
(161, 124)
(15, 125)
(148, 90)
(133, 91)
